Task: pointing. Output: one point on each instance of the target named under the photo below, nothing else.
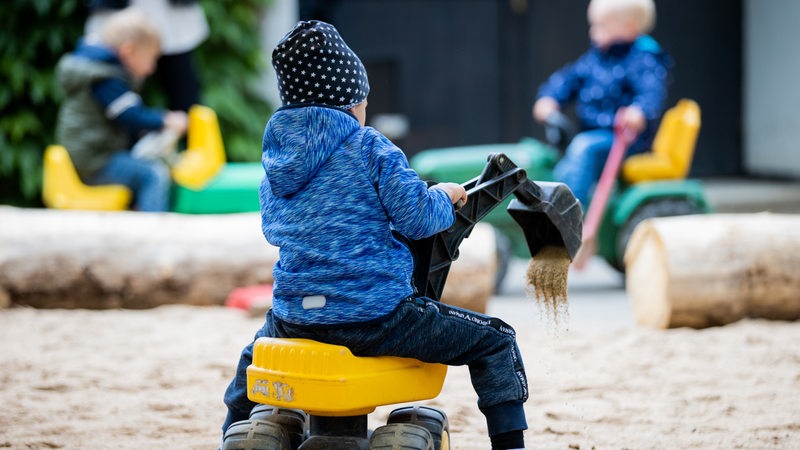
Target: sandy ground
(78, 379)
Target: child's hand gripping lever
(456, 192)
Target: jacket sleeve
(125, 108)
(563, 85)
(414, 210)
(649, 82)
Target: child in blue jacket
(625, 71)
(333, 193)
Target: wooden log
(708, 270)
(99, 260)
(470, 282)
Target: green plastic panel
(233, 190)
(635, 195)
(461, 164)
(628, 198)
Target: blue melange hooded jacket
(600, 82)
(332, 194)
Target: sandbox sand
(153, 379)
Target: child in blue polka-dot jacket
(623, 76)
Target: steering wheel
(559, 130)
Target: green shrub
(231, 61)
(36, 33)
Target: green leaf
(41, 6)
(7, 156)
(67, 8)
(5, 98)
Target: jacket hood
(298, 141)
(73, 72)
(644, 43)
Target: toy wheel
(401, 436)
(293, 421)
(432, 419)
(666, 207)
(255, 435)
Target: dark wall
(466, 71)
(705, 38)
(435, 62)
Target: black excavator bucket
(552, 219)
(548, 213)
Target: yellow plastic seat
(205, 152)
(327, 380)
(62, 188)
(673, 147)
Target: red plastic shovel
(623, 138)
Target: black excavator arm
(548, 213)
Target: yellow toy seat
(205, 152)
(327, 380)
(62, 188)
(673, 147)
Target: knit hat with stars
(314, 65)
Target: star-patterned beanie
(314, 65)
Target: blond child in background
(625, 71)
(102, 114)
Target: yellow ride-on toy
(317, 396)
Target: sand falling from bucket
(546, 279)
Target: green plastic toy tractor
(651, 185)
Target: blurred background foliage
(36, 33)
